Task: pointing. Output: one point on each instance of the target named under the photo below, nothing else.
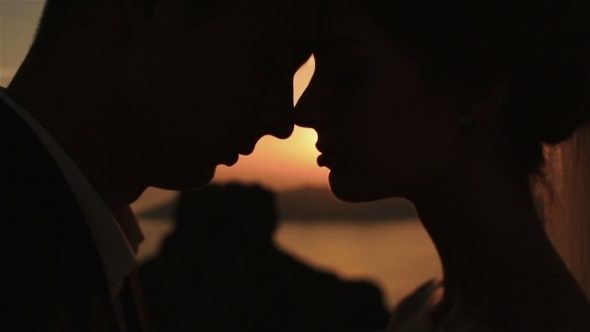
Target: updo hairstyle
(542, 45)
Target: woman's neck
(499, 266)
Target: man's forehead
(278, 20)
(287, 12)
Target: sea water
(397, 255)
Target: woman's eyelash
(347, 77)
(341, 69)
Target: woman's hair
(542, 45)
(567, 206)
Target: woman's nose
(312, 108)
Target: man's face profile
(203, 89)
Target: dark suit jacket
(51, 275)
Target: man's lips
(230, 158)
(245, 149)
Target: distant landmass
(320, 203)
(315, 203)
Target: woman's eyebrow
(333, 41)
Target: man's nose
(311, 109)
(278, 113)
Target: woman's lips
(328, 159)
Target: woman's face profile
(379, 133)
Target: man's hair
(59, 15)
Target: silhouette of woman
(449, 104)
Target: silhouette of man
(115, 96)
(221, 271)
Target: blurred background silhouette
(221, 271)
(382, 242)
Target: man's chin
(186, 182)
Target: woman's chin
(348, 190)
(188, 180)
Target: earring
(466, 120)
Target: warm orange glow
(302, 78)
(282, 164)
(279, 164)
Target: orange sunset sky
(277, 164)
(282, 164)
